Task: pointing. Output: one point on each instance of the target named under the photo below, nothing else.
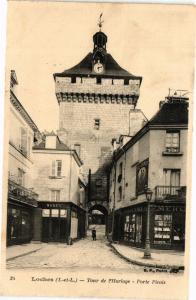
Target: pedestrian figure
(94, 234)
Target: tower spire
(100, 21)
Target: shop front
(167, 226)
(60, 221)
(19, 224)
(129, 225)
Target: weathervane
(100, 22)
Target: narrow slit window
(97, 124)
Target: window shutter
(53, 168)
(59, 167)
(23, 140)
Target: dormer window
(172, 141)
(97, 124)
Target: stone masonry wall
(77, 126)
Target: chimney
(115, 144)
(161, 104)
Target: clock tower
(97, 102)
(99, 52)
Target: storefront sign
(142, 177)
(163, 208)
(135, 209)
(53, 205)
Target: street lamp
(147, 253)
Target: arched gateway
(102, 207)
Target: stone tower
(97, 100)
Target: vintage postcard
(97, 150)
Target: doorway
(54, 229)
(97, 219)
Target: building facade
(22, 199)
(156, 158)
(97, 100)
(61, 214)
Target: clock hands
(99, 67)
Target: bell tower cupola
(99, 51)
(99, 38)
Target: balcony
(170, 193)
(19, 148)
(23, 150)
(22, 194)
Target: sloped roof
(175, 112)
(112, 68)
(59, 146)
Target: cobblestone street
(84, 254)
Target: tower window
(73, 80)
(98, 80)
(97, 124)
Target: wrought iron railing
(170, 193)
(22, 194)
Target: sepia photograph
(97, 149)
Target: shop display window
(25, 225)
(138, 237)
(19, 226)
(55, 213)
(45, 212)
(14, 223)
(162, 228)
(130, 228)
(63, 213)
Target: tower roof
(84, 67)
(99, 55)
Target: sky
(155, 42)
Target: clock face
(98, 67)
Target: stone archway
(101, 206)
